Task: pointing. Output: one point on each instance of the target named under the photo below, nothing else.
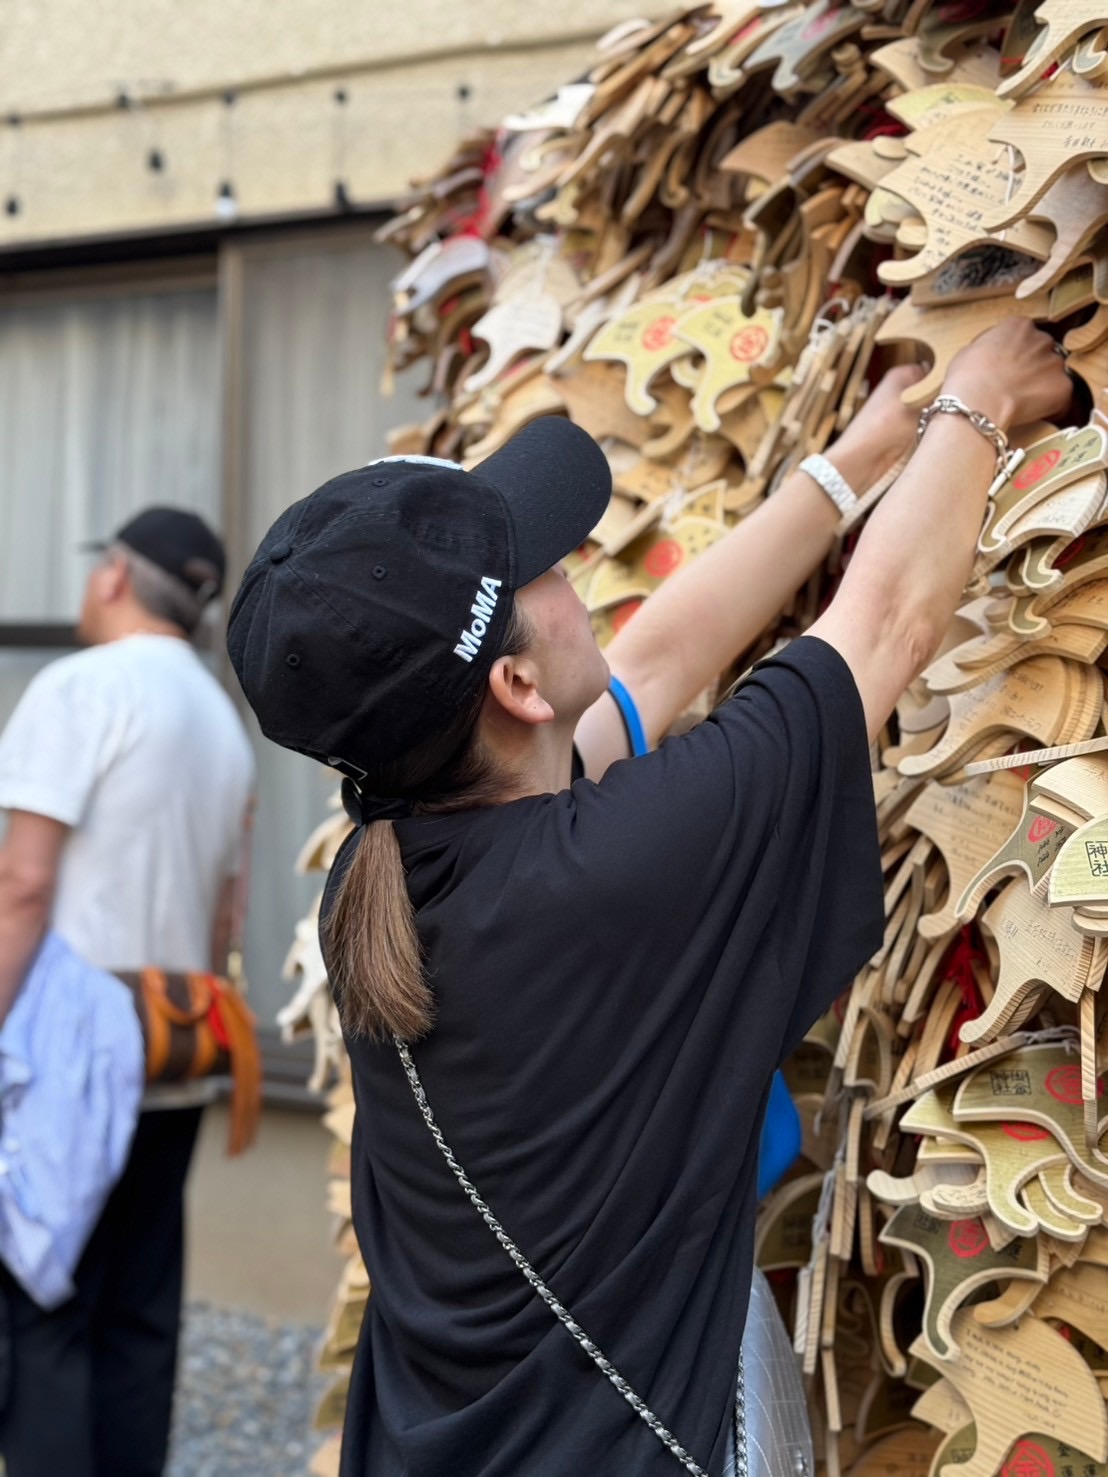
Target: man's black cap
(181, 543)
(374, 609)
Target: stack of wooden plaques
(701, 252)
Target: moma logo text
(481, 610)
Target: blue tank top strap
(636, 734)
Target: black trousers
(87, 1390)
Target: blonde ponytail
(371, 936)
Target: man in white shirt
(127, 776)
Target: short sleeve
(758, 825)
(56, 744)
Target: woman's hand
(882, 432)
(908, 572)
(1013, 374)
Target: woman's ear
(513, 687)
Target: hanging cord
(958, 1067)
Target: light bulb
(226, 206)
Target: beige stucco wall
(77, 161)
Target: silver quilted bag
(778, 1436)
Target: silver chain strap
(742, 1465)
(564, 1316)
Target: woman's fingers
(1012, 374)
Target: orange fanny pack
(198, 1025)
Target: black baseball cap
(178, 541)
(374, 609)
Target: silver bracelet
(951, 405)
(832, 481)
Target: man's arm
(29, 861)
(912, 562)
(230, 905)
(708, 613)
(223, 925)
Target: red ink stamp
(967, 1238)
(1035, 471)
(820, 25)
(658, 335)
(623, 614)
(1071, 552)
(1040, 828)
(663, 558)
(749, 344)
(1064, 1085)
(1027, 1459)
(1025, 1133)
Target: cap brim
(556, 483)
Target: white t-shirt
(137, 747)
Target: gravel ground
(246, 1392)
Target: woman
(573, 998)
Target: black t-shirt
(617, 970)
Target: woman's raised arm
(705, 615)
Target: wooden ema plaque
(797, 49)
(1048, 465)
(650, 560)
(1080, 783)
(1044, 538)
(1030, 851)
(784, 1235)
(968, 823)
(642, 338)
(1063, 23)
(1033, 618)
(527, 313)
(1035, 1455)
(933, 103)
(726, 68)
(1013, 1154)
(593, 396)
(1040, 699)
(900, 61)
(907, 1453)
(1037, 1084)
(767, 153)
(1018, 1381)
(941, 1406)
(950, 177)
(1080, 875)
(731, 344)
(1038, 947)
(958, 1260)
(1078, 1296)
(1082, 640)
(1064, 122)
(1075, 207)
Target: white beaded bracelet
(832, 481)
